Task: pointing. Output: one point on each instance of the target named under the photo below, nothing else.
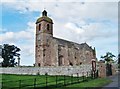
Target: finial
(44, 13)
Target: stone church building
(52, 51)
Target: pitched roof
(70, 43)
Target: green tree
(9, 52)
(108, 57)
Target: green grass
(99, 82)
(13, 81)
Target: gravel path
(115, 84)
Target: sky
(94, 22)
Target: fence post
(19, 84)
(83, 76)
(56, 80)
(87, 75)
(46, 79)
(34, 83)
(71, 78)
(64, 80)
(78, 77)
(91, 74)
(97, 74)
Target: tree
(9, 52)
(108, 57)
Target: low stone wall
(65, 70)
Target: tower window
(48, 27)
(39, 27)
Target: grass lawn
(27, 82)
(99, 82)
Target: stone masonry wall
(102, 69)
(50, 70)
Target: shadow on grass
(61, 86)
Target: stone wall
(102, 69)
(50, 70)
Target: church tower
(44, 33)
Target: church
(52, 51)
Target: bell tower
(44, 24)
(44, 32)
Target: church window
(39, 27)
(71, 64)
(39, 64)
(80, 63)
(44, 52)
(48, 27)
(68, 52)
(60, 60)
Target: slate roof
(63, 42)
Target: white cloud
(24, 39)
(27, 34)
(60, 0)
(72, 21)
(85, 33)
(94, 10)
(72, 27)
(15, 36)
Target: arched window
(44, 52)
(39, 27)
(60, 60)
(48, 26)
(39, 64)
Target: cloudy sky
(93, 22)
